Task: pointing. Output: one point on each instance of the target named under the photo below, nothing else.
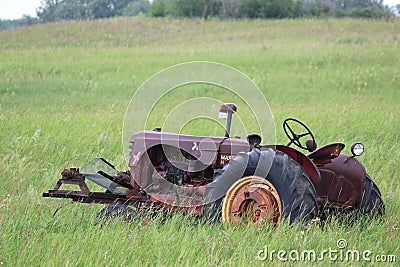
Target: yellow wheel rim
(252, 199)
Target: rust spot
(336, 151)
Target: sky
(15, 9)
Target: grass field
(64, 89)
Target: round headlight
(357, 149)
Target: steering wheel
(295, 137)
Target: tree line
(270, 8)
(58, 10)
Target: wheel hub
(252, 199)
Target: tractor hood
(203, 148)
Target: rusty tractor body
(229, 179)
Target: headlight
(357, 149)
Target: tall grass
(64, 89)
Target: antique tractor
(229, 179)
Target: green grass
(64, 89)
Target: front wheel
(370, 201)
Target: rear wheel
(285, 182)
(370, 201)
(252, 199)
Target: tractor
(228, 179)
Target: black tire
(117, 211)
(296, 191)
(370, 201)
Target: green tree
(366, 12)
(185, 8)
(136, 7)
(28, 20)
(249, 8)
(56, 10)
(398, 8)
(210, 8)
(350, 4)
(315, 9)
(190, 8)
(9, 24)
(71, 10)
(24, 21)
(228, 8)
(298, 8)
(277, 8)
(360, 8)
(266, 8)
(47, 10)
(158, 8)
(106, 8)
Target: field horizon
(64, 91)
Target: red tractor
(229, 179)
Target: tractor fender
(341, 181)
(310, 168)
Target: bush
(367, 12)
(158, 8)
(266, 8)
(340, 13)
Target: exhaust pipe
(225, 112)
